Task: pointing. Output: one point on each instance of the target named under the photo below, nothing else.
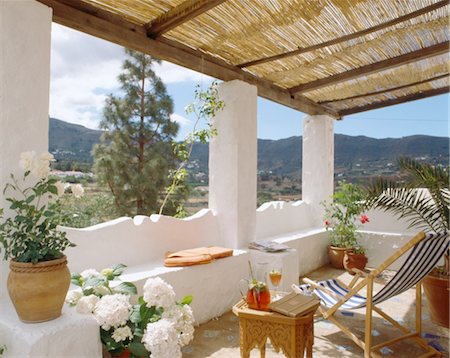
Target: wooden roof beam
(179, 15)
(355, 35)
(401, 60)
(399, 100)
(387, 90)
(114, 28)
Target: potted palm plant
(343, 215)
(425, 210)
(39, 278)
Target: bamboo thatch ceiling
(333, 57)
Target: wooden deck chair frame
(367, 281)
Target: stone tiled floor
(220, 337)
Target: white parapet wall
(142, 242)
(139, 241)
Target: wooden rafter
(387, 90)
(399, 100)
(180, 14)
(355, 35)
(401, 60)
(113, 28)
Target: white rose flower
(122, 333)
(158, 293)
(160, 338)
(86, 304)
(61, 187)
(40, 169)
(47, 157)
(77, 190)
(27, 160)
(73, 296)
(112, 311)
(89, 273)
(183, 320)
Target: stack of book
(295, 304)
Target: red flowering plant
(343, 216)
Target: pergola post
(232, 164)
(317, 162)
(25, 34)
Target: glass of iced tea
(275, 275)
(258, 295)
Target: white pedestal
(287, 260)
(71, 335)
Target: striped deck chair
(426, 251)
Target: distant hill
(68, 141)
(281, 157)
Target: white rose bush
(156, 326)
(31, 235)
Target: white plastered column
(317, 162)
(232, 164)
(25, 36)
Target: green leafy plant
(204, 108)
(424, 209)
(31, 234)
(3, 349)
(157, 325)
(343, 214)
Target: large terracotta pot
(353, 260)
(437, 291)
(336, 255)
(38, 290)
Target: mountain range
(72, 142)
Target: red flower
(364, 219)
(327, 223)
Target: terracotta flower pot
(437, 292)
(336, 255)
(353, 260)
(38, 290)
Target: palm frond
(408, 201)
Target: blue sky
(85, 69)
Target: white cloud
(182, 121)
(84, 71)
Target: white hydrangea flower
(160, 338)
(77, 190)
(122, 333)
(112, 311)
(101, 290)
(86, 304)
(158, 293)
(27, 160)
(183, 320)
(73, 296)
(89, 273)
(61, 187)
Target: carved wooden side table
(293, 336)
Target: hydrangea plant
(31, 235)
(156, 325)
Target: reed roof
(333, 57)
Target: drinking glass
(275, 276)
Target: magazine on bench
(268, 246)
(295, 304)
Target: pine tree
(135, 153)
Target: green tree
(135, 154)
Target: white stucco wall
(232, 164)
(25, 30)
(139, 241)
